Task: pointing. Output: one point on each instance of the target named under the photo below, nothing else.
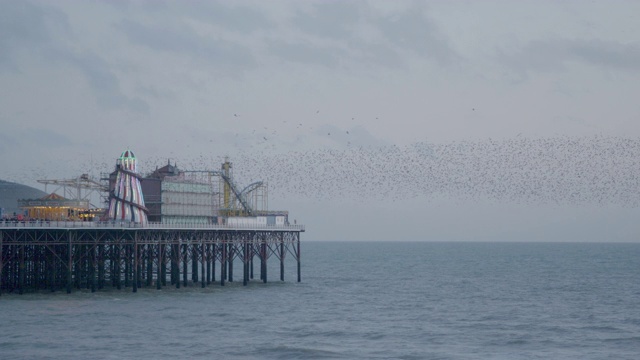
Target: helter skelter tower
(126, 202)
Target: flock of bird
(598, 170)
(565, 170)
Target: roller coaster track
(240, 195)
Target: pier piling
(136, 265)
(208, 252)
(223, 263)
(298, 254)
(263, 250)
(251, 256)
(202, 265)
(281, 260)
(90, 257)
(230, 262)
(185, 263)
(1, 263)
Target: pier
(72, 255)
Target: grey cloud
(232, 16)
(413, 31)
(241, 19)
(48, 138)
(333, 19)
(327, 56)
(107, 87)
(103, 82)
(378, 54)
(40, 31)
(181, 40)
(22, 22)
(336, 21)
(6, 141)
(553, 55)
(24, 25)
(409, 31)
(608, 54)
(34, 136)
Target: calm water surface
(360, 301)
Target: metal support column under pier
(245, 264)
(136, 263)
(298, 254)
(69, 263)
(263, 271)
(281, 257)
(185, 265)
(203, 258)
(230, 261)
(1, 260)
(223, 263)
(159, 268)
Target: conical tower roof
(127, 154)
(53, 196)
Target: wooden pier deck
(53, 256)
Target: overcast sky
(193, 81)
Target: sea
(359, 300)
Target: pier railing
(129, 225)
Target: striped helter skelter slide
(126, 202)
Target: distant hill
(11, 192)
